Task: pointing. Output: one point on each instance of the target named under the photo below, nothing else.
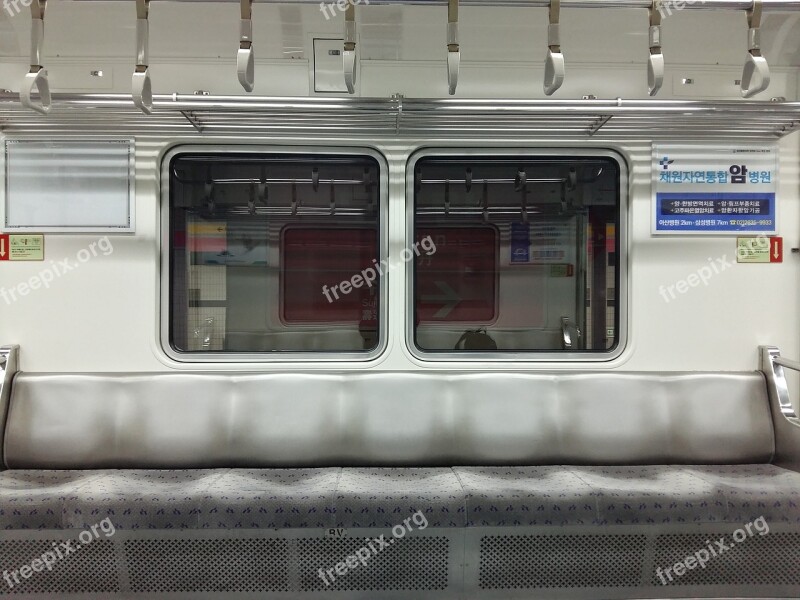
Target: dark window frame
(167, 277)
(622, 301)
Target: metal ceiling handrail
(277, 181)
(179, 102)
(190, 115)
(768, 5)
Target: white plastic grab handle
(655, 64)
(554, 65)
(453, 64)
(142, 91)
(349, 58)
(349, 65)
(554, 72)
(453, 47)
(755, 77)
(36, 79)
(453, 57)
(655, 73)
(245, 67)
(245, 57)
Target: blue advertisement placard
(714, 191)
(711, 213)
(520, 243)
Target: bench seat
(519, 485)
(381, 498)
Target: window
(528, 254)
(260, 246)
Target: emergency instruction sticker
(21, 247)
(760, 249)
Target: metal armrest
(784, 417)
(8, 366)
(9, 363)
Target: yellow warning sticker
(26, 247)
(760, 249)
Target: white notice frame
(68, 186)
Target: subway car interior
(298, 302)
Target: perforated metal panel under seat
(769, 560)
(92, 568)
(561, 561)
(632, 565)
(445, 564)
(208, 565)
(412, 564)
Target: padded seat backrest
(407, 419)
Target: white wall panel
(103, 316)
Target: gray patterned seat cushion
(633, 495)
(271, 499)
(547, 495)
(752, 491)
(656, 495)
(384, 497)
(36, 499)
(135, 499)
(370, 497)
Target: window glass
(260, 246)
(527, 254)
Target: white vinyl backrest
(392, 419)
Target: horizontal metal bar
(768, 5)
(287, 211)
(789, 364)
(532, 208)
(488, 181)
(281, 180)
(259, 117)
(590, 108)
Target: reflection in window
(527, 254)
(254, 242)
